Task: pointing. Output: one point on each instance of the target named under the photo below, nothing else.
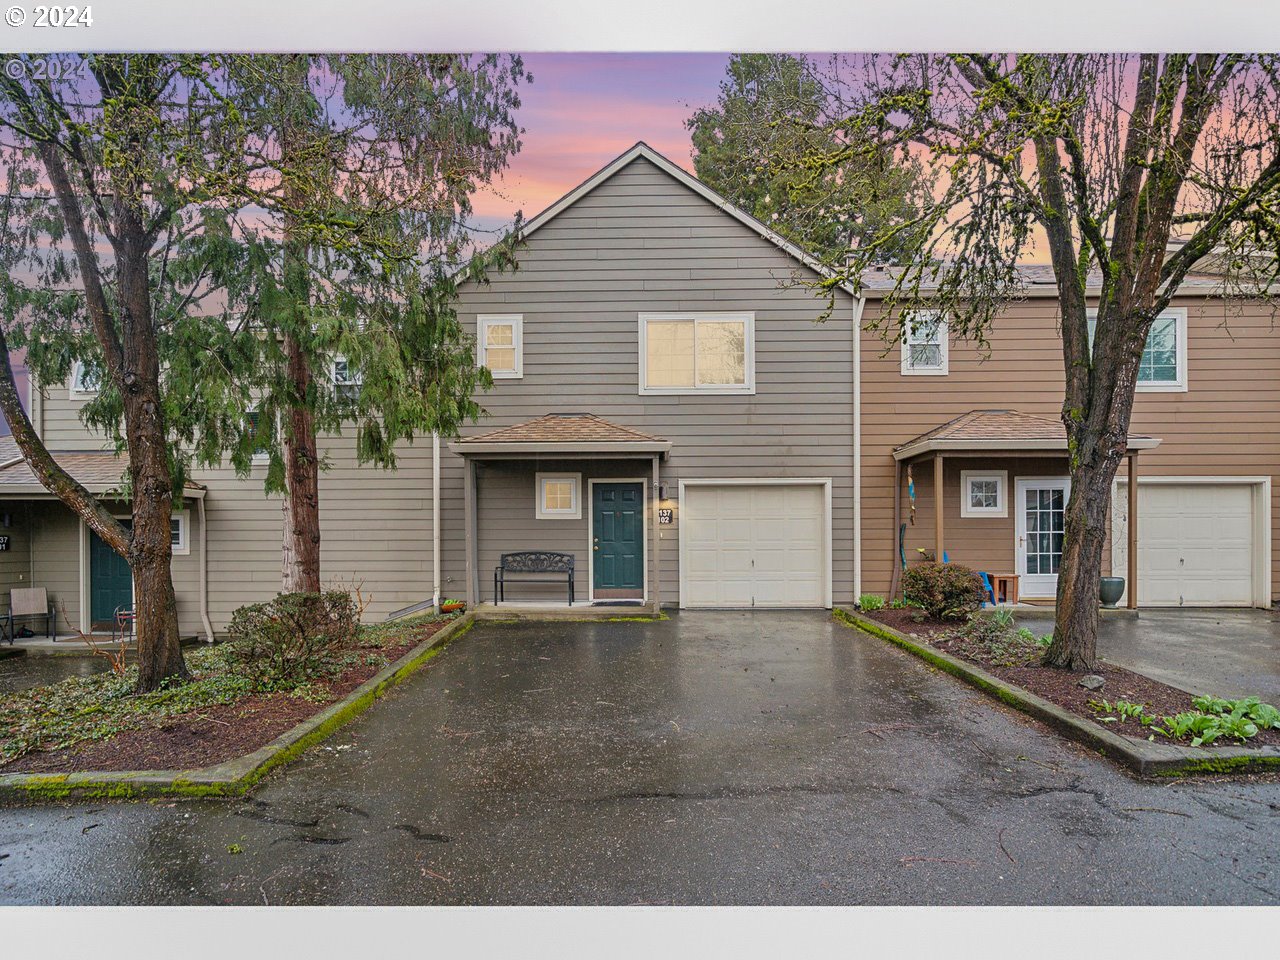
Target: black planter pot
(1110, 590)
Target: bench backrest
(537, 561)
(29, 601)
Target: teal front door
(110, 582)
(617, 544)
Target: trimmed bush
(292, 639)
(944, 591)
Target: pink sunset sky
(582, 110)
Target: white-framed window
(697, 353)
(262, 435)
(559, 496)
(346, 379)
(1163, 368)
(925, 346)
(500, 345)
(984, 493)
(178, 525)
(83, 382)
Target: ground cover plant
(235, 701)
(1211, 719)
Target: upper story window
(697, 353)
(924, 344)
(501, 345)
(1163, 367)
(261, 432)
(84, 383)
(346, 379)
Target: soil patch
(1063, 688)
(220, 732)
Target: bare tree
(1132, 169)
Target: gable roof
(992, 430)
(562, 432)
(642, 151)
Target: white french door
(1041, 506)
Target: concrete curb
(1141, 756)
(232, 778)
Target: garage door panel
(760, 545)
(1196, 543)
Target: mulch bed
(1063, 687)
(215, 734)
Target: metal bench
(528, 565)
(31, 603)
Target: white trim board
(644, 483)
(824, 482)
(1261, 526)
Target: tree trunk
(1075, 630)
(300, 568)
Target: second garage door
(754, 545)
(1195, 543)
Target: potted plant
(1110, 590)
(453, 606)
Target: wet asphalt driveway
(710, 758)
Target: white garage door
(1195, 543)
(754, 545)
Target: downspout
(35, 404)
(204, 573)
(435, 520)
(858, 305)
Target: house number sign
(4, 544)
(665, 516)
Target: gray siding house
(666, 409)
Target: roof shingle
(564, 428)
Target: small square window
(925, 345)
(982, 493)
(558, 497)
(346, 379)
(84, 382)
(178, 533)
(500, 342)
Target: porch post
(469, 517)
(656, 596)
(937, 507)
(897, 525)
(1133, 531)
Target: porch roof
(98, 471)
(998, 431)
(563, 433)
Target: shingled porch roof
(98, 471)
(998, 431)
(562, 433)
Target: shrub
(870, 602)
(992, 639)
(945, 591)
(293, 638)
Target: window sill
(697, 391)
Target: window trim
(77, 376)
(1177, 385)
(357, 381)
(573, 513)
(257, 458)
(1002, 493)
(516, 320)
(183, 547)
(944, 347)
(746, 388)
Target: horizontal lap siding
(1224, 425)
(639, 243)
(15, 563)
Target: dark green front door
(617, 521)
(110, 582)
